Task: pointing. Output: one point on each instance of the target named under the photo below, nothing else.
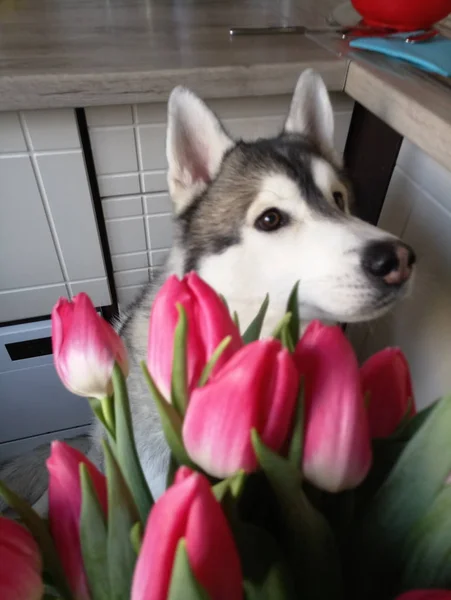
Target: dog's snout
(390, 261)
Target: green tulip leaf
(93, 537)
(428, 547)
(179, 384)
(233, 485)
(280, 329)
(122, 516)
(40, 531)
(266, 576)
(96, 407)
(405, 496)
(125, 448)
(254, 330)
(293, 309)
(308, 538)
(213, 360)
(171, 422)
(236, 319)
(136, 536)
(297, 439)
(184, 585)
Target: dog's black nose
(391, 261)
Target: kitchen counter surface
(59, 53)
(78, 53)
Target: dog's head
(255, 217)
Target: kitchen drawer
(33, 401)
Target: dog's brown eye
(270, 220)
(339, 200)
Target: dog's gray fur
(213, 194)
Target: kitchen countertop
(70, 53)
(56, 53)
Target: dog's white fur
(323, 253)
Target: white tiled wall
(49, 242)
(418, 208)
(129, 152)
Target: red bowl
(403, 15)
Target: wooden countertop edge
(421, 118)
(101, 89)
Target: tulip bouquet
(293, 473)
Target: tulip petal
(248, 392)
(386, 377)
(20, 563)
(337, 451)
(188, 510)
(65, 510)
(426, 595)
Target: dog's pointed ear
(195, 146)
(311, 111)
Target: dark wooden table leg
(370, 156)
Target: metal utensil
(300, 30)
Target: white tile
(155, 181)
(158, 257)
(135, 277)
(153, 146)
(160, 231)
(11, 136)
(100, 116)
(29, 303)
(342, 121)
(114, 150)
(114, 208)
(152, 113)
(126, 235)
(398, 203)
(118, 185)
(25, 236)
(69, 197)
(252, 128)
(158, 203)
(132, 260)
(425, 171)
(127, 295)
(98, 290)
(54, 129)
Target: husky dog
(254, 218)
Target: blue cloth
(433, 55)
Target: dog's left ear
(195, 146)
(311, 111)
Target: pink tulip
(188, 510)
(386, 377)
(257, 388)
(209, 322)
(337, 449)
(65, 508)
(426, 595)
(20, 563)
(85, 348)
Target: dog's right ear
(195, 146)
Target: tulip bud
(209, 322)
(85, 348)
(188, 510)
(257, 388)
(20, 563)
(386, 377)
(337, 449)
(65, 509)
